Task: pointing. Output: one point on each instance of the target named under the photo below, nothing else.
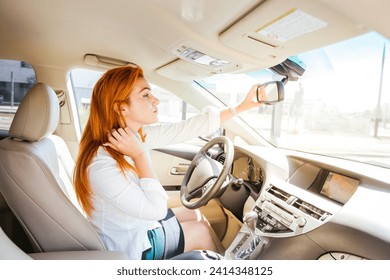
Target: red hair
(112, 90)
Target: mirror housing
(274, 92)
(292, 69)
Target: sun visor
(282, 28)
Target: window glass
(171, 108)
(339, 107)
(16, 78)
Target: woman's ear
(120, 108)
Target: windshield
(339, 107)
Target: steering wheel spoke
(206, 177)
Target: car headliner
(147, 32)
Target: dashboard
(332, 185)
(308, 207)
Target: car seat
(36, 178)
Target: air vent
(310, 209)
(301, 205)
(279, 193)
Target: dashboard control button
(301, 222)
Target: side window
(171, 108)
(16, 78)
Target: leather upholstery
(9, 251)
(36, 117)
(36, 178)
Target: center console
(282, 210)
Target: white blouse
(125, 206)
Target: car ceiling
(148, 32)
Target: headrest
(37, 115)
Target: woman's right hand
(124, 141)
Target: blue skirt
(167, 241)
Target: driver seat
(36, 172)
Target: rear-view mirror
(274, 92)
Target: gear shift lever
(250, 220)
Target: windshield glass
(339, 107)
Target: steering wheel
(206, 177)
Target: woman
(114, 179)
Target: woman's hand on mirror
(254, 98)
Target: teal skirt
(157, 240)
(167, 241)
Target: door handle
(179, 170)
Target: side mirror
(274, 92)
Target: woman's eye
(146, 95)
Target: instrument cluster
(249, 171)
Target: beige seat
(9, 251)
(35, 174)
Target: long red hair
(111, 90)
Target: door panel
(170, 169)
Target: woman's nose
(154, 100)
